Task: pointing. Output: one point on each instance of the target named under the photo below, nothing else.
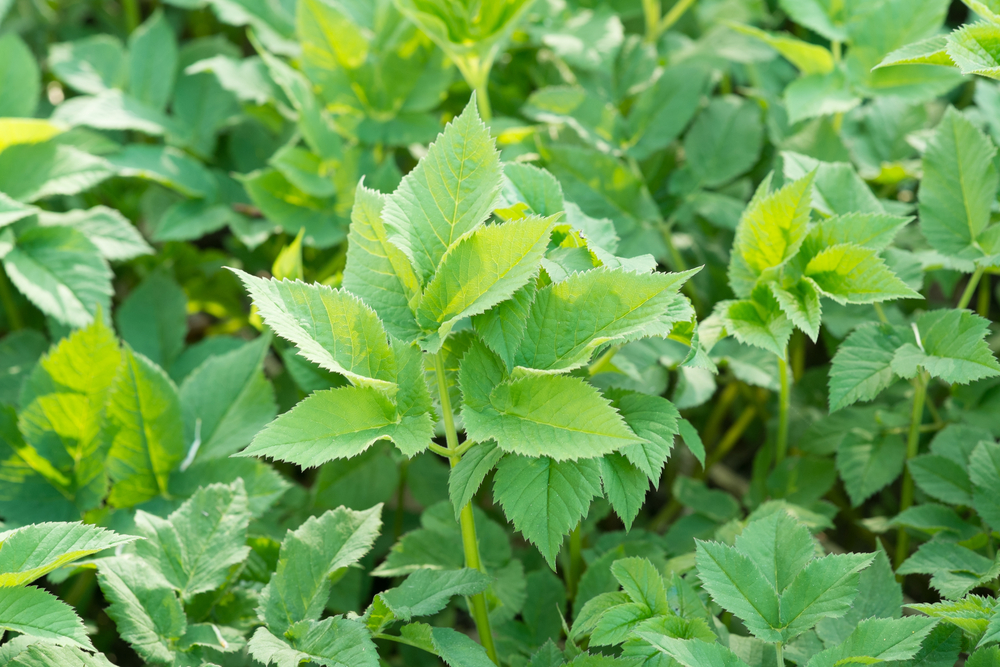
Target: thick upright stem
(651, 12)
(14, 319)
(575, 568)
(477, 74)
(985, 296)
(781, 444)
(131, 8)
(912, 443)
(779, 651)
(467, 521)
(970, 288)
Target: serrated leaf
(300, 586)
(848, 273)
(616, 624)
(825, 588)
(449, 193)
(800, 303)
(37, 613)
(377, 270)
(557, 416)
(33, 551)
(958, 187)
(458, 650)
(502, 327)
(109, 230)
(562, 333)
(737, 584)
(625, 486)
(758, 321)
(545, 498)
(878, 640)
(770, 231)
(868, 230)
(152, 61)
(975, 49)
(332, 328)
(468, 474)
(339, 424)
(144, 414)
(426, 592)
(642, 582)
(808, 58)
(862, 366)
(197, 544)
(692, 652)
(481, 270)
(333, 642)
(62, 273)
(779, 545)
(954, 569)
(930, 51)
(973, 614)
(984, 469)
(655, 420)
(43, 655)
(868, 463)
(143, 606)
(153, 319)
(941, 478)
(951, 347)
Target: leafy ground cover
(444, 332)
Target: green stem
(575, 568)
(970, 288)
(983, 304)
(881, 313)
(674, 15)
(14, 319)
(779, 651)
(397, 523)
(912, 444)
(131, 8)
(477, 74)
(467, 521)
(731, 437)
(781, 445)
(719, 412)
(651, 12)
(836, 49)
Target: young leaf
(331, 327)
(974, 49)
(549, 415)
(33, 551)
(758, 321)
(862, 366)
(300, 586)
(562, 332)
(779, 546)
(800, 302)
(144, 414)
(825, 588)
(848, 273)
(468, 474)
(958, 187)
(737, 584)
(951, 346)
(37, 613)
(377, 270)
(481, 270)
(143, 606)
(447, 195)
(426, 592)
(198, 543)
(339, 424)
(544, 498)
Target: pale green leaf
(973, 614)
(930, 51)
(800, 303)
(758, 321)
(616, 624)
(481, 270)
(300, 587)
(838, 190)
(44, 655)
(661, 112)
(958, 188)
(109, 230)
(197, 544)
(868, 230)
(18, 72)
(167, 166)
(808, 58)
(544, 498)
(557, 416)
(984, 469)
(572, 318)
(90, 65)
(975, 49)
(725, 140)
(37, 613)
(642, 582)
(144, 415)
(35, 170)
(655, 420)
(114, 110)
(848, 273)
(377, 270)
(779, 545)
(339, 424)
(426, 592)
(62, 273)
(143, 606)
(951, 346)
(451, 191)
(33, 551)
(331, 327)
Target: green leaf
(737, 584)
(625, 486)
(18, 72)
(426, 592)
(800, 303)
(114, 110)
(874, 231)
(153, 319)
(545, 498)
(954, 569)
(655, 420)
(868, 463)
(152, 61)
(692, 652)
(879, 596)
(300, 586)
(771, 231)
(848, 273)
(808, 58)
(692, 440)
(143, 606)
(958, 188)
(930, 51)
(339, 424)
(975, 49)
(377, 270)
(457, 649)
(862, 366)
(43, 655)
(617, 623)
(197, 544)
(984, 657)
(661, 112)
(642, 582)
(557, 416)
(779, 546)
(34, 170)
(227, 400)
(333, 642)
(144, 415)
(950, 346)
(468, 474)
(109, 230)
(481, 270)
(33, 551)
(90, 65)
(878, 640)
(758, 321)
(331, 327)
(502, 327)
(725, 141)
(19, 353)
(622, 306)
(448, 194)
(984, 469)
(817, 95)
(37, 613)
(973, 614)
(825, 588)
(291, 209)
(167, 166)
(62, 273)
(941, 478)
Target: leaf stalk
(784, 398)
(912, 445)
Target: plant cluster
(454, 333)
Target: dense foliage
(603, 333)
